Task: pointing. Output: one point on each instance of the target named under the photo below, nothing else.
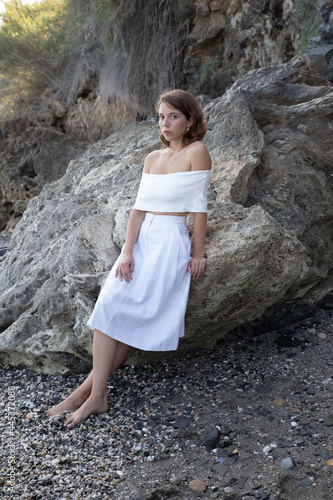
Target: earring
(188, 128)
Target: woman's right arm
(125, 267)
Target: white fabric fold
(176, 192)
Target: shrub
(309, 19)
(29, 46)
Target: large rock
(228, 38)
(269, 234)
(29, 161)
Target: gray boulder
(28, 162)
(269, 233)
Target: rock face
(269, 234)
(218, 42)
(29, 161)
(229, 38)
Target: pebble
(287, 463)
(148, 441)
(262, 494)
(182, 423)
(263, 389)
(325, 454)
(306, 482)
(268, 448)
(279, 402)
(211, 440)
(198, 485)
(310, 391)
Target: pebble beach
(250, 420)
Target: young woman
(143, 301)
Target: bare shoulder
(199, 156)
(151, 159)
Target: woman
(143, 301)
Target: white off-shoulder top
(176, 192)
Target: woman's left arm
(197, 264)
(200, 160)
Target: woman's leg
(108, 355)
(104, 357)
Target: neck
(176, 146)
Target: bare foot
(90, 407)
(69, 404)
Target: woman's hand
(125, 267)
(196, 267)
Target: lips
(166, 132)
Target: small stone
(287, 463)
(279, 402)
(174, 480)
(137, 496)
(306, 482)
(228, 489)
(268, 448)
(325, 454)
(182, 423)
(328, 422)
(242, 482)
(182, 433)
(286, 444)
(198, 486)
(311, 340)
(330, 462)
(211, 440)
(263, 389)
(55, 462)
(321, 335)
(263, 494)
(221, 468)
(310, 391)
(29, 416)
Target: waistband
(165, 219)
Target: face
(173, 123)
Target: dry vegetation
(132, 49)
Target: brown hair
(189, 106)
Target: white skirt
(148, 313)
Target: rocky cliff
(269, 234)
(200, 45)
